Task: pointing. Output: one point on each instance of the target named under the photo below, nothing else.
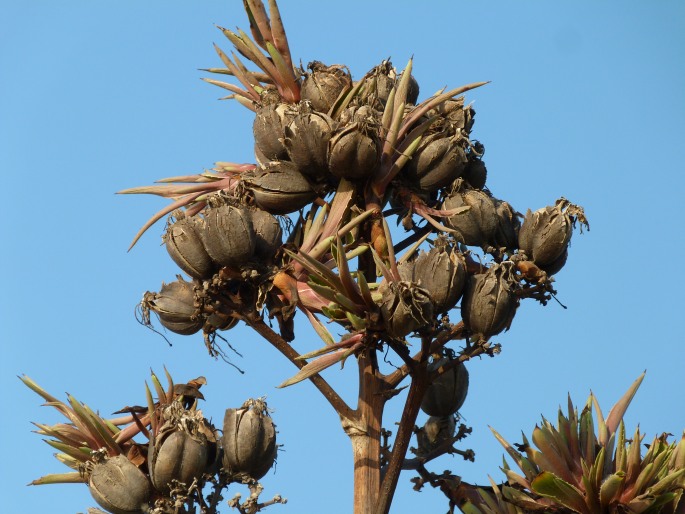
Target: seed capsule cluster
(339, 160)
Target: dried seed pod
(405, 307)
(438, 161)
(323, 84)
(436, 431)
(478, 225)
(440, 271)
(354, 150)
(179, 457)
(228, 236)
(268, 127)
(118, 486)
(249, 440)
(508, 225)
(546, 233)
(185, 246)
(306, 139)
(447, 393)
(490, 301)
(476, 173)
(279, 187)
(175, 307)
(268, 234)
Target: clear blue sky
(586, 101)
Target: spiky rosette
(583, 468)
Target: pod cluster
(182, 453)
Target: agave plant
(589, 466)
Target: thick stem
(365, 434)
(411, 409)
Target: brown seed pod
(184, 244)
(249, 440)
(323, 84)
(478, 225)
(306, 139)
(447, 393)
(279, 187)
(490, 302)
(380, 81)
(405, 307)
(118, 486)
(508, 225)
(228, 236)
(354, 150)
(179, 457)
(441, 272)
(546, 233)
(268, 127)
(268, 234)
(476, 173)
(438, 161)
(436, 431)
(175, 307)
